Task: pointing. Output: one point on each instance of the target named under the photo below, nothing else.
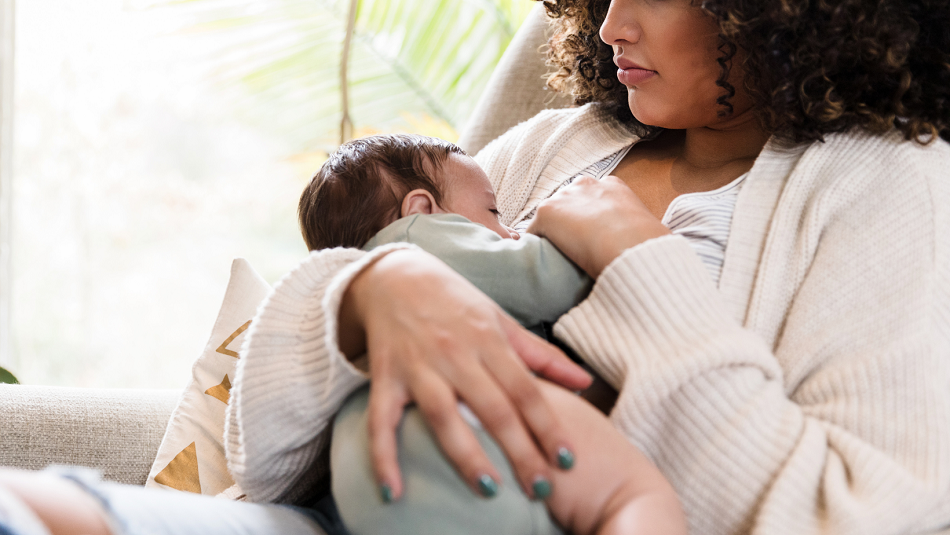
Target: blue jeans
(136, 510)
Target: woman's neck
(705, 158)
(691, 160)
(739, 139)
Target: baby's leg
(435, 499)
(612, 488)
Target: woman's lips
(634, 76)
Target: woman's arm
(413, 315)
(291, 379)
(828, 410)
(851, 437)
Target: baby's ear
(419, 201)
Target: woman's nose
(620, 26)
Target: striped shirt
(704, 218)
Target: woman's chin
(647, 113)
(666, 121)
(650, 119)
(666, 114)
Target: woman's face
(666, 52)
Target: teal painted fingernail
(487, 486)
(541, 488)
(386, 493)
(565, 459)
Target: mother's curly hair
(813, 67)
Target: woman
(805, 391)
(786, 370)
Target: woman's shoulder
(590, 121)
(542, 124)
(860, 163)
(888, 149)
(557, 116)
(877, 155)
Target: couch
(118, 431)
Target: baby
(426, 191)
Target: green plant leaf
(7, 377)
(411, 61)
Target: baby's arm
(529, 278)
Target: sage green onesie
(534, 283)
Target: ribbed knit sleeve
(292, 378)
(828, 409)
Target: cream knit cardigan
(808, 393)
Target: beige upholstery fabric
(516, 91)
(114, 430)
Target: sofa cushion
(191, 456)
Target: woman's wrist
(361, 292)
(351, 336)
(613, 246)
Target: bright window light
(134, 187)
(156, 140)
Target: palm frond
(409, 59)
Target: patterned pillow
(191, 456)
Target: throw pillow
(191, 456)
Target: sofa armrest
(116, 431)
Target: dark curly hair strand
(813, 67)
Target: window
(155, 141)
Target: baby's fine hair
(359, 190)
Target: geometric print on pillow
(191, 456)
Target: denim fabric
(136, 510)
(16, 518)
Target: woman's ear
(419, 201)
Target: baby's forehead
(461, 172)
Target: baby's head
(368, 183)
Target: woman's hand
(432, 338)
(593, 221)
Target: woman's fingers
(499, 415)
(540, 420)
(439, 407)
(594, 221)
(543, 358)
(387, 401)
